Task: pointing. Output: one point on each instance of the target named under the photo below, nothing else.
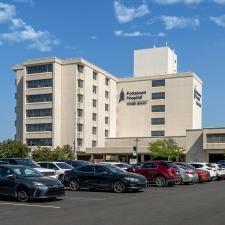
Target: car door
(86, 177)
(7, 184)
(102, 178)
(149, 170)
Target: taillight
(171, 172)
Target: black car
(76, 163)
(103, 177)
(25, 183)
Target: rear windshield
(63, 165)
(168, 164)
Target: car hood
(133, 175)
(48, 181)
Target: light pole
(135, 148)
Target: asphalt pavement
(199, 204)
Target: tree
(13, 149)
(46, 154)
(42, 154)
(166, 148)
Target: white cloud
(121, 33)
(22, 32)
(172, 2)
(125, 14)
(172, 22)
(220, 20)
(7, 12)
(220, 2)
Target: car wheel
(119, 187)
(74, 185)
(23, 195)
(160, 181)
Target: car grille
(55, 192)
(48, 173)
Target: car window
(168, 164)
(4, 172)
(26, 172)
(138, 166)
(43, 165)
(52, 166)
(63, 165)
(86, 169)
(26, 162)
(101, 169)
(197, 165)
(149, 165)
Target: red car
(202, 174)
(162, 173)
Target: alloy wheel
(22, 195)
(74, 185)
(160, 181)
(118, 187)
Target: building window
(107, 81)
(79, 112)
(158, 95)
(80, 83)
(158, 83)
(107, 107)
(158, 133)
(39, 69)
(216, 138)
(79, 127)
(94, 130)
(39, 142)
(94, 103)
(80, 98)
(38, 127)
(106, 133)
(94, 89)
(39, 112)
(95, 74)
(39, 98)
(39, 83)
(80, 68)
(158, 121)
(94, 116)
(94, 144)
(106, 94)
(106, 120)
(79, 142)
(158, 108)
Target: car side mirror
(11, 176)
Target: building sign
(133, 97)
(197, 97)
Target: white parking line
(29, 205)
(88, 199)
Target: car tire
(74, 185)
(161, 181)
(23, 195)
(119, 187)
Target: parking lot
(181, 204)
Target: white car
(205, 166)
(58, 167)
(121, 165)
(220, 170)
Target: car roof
(11, 166)
(157, 161)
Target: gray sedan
(187, 175)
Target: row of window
(39, 69)
(39, 142)
(94, 129)
(38, 127)
(216, 138)
(38, 112)
(39, 98)
(80, 142)
(39, 83)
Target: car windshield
(115, 169)
(210, 165)
(26, 172)
(63, 165)
(183, 167)
(122, 165)
(27, 162)
(188, 166)
(169, 164)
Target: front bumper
(50, 192)
(136, 186)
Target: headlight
(131, 179)
(40, 185)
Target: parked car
(188, 175)
(162, 173)
(58, 167)
(204, 166)
(76, 163)
(220, 170)
(221, 162)
(3, 162)
(25, 183)
(123, 166)
(203, 175)
(30, 163)
(103, 177)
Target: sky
(106, 32)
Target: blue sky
(106, 32)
